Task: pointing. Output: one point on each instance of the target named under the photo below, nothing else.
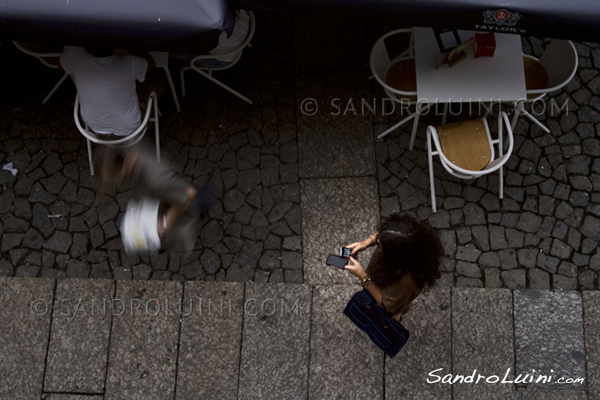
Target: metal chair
(398, 78)
(551, 72)
(161, 60)
(195, 62)
(150, 115)
(46, 57)
(466, 150)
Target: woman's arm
(357, 270)
(358, 246)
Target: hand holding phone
(354, 267)
(336, 261)
(346, 252)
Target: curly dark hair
(408, 245)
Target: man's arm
(146, 56)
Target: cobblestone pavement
(54, 223)
(544, 233)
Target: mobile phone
(345, 252)
(336, 261)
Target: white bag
(139, 227)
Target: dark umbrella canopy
(566, 19)
(170, 25)
(194, 25)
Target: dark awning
(192, 25)
(567, 19)
(170, 25)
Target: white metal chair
(466, 149)
(46, 57)
(150, 115)
(195, 63)
(555, 69)
(398, 78)
(161, 60)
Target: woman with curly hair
(405, 262)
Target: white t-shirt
(106, 88)
(239, 34)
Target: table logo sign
(501, 17)
(500, 20)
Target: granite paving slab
(25, 312)
(210, 341)
(335, 212)
(591, 305)
(482, 343)
(144, 340)
(529, 393)
(275, 344)
(549, 337)
(56, 396)
(80, 336)
(429, 350)
(344, 362)
(335, 134)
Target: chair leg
(224, 86)
(420, 109)
(413, 134)
(534, 120)
(520, 110)
(172, 86)
(518, 107)
(431, 180)
(156, 129)
(89, 150)
(55, 88)
(396, 126)
(513, 121)
(501, 152)
(182, 79)
(501, 183)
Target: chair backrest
(250, 35)
(161, 58)
(380, 62)
(560, 62)
(237, 51)
(40, 51)
(128, 140)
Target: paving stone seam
(585, 343)
(180, 328)
(310, 330)
(241, 343)
(54, 290)
(114, 295)
(514, 335)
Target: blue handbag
(384, 331)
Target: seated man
(106, 86)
